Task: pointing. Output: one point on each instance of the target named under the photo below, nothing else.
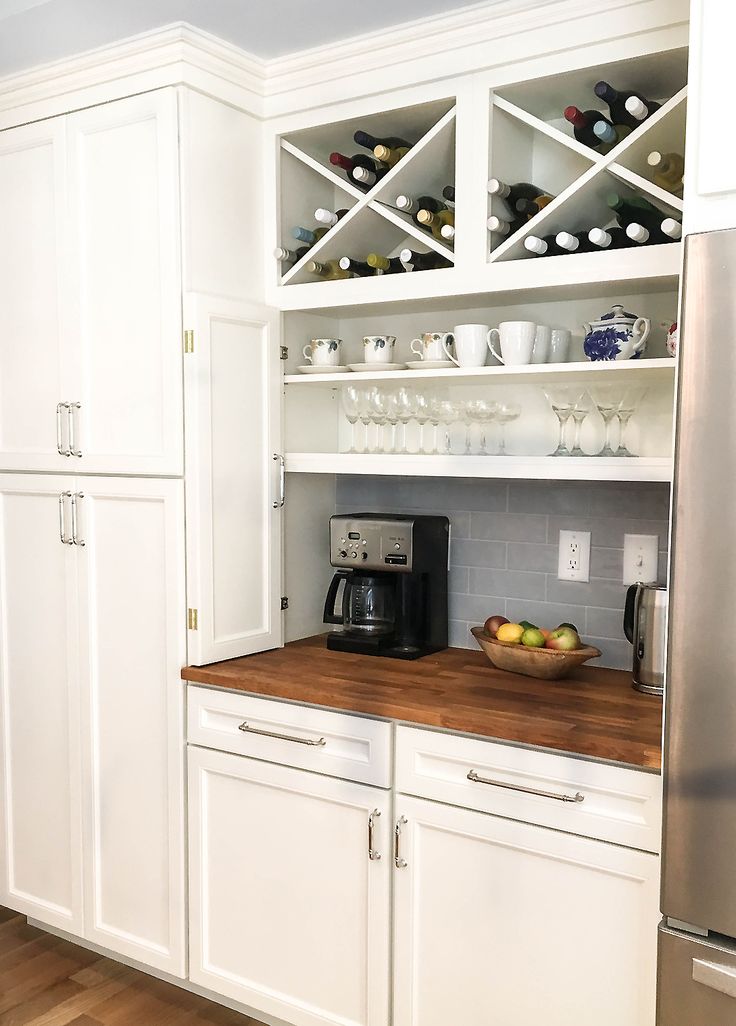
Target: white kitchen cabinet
(40, 854)
(500, 921)
(289, 915)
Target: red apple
(493, 623)
(563, 640)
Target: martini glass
(562, 400)
(505, 414)
(483, 412)
(632, 397)
(606, 399)
(580, 411)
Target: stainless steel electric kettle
(645, 625)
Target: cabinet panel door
(40, 853)
(124, 221)
(233, 443)
(288, 915)
(132, 639)
(504, 922)
(33, 367)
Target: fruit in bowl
(511, 633)
(563, 639)
(493, 623)
(533, 651)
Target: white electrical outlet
(574, 561)
(641, 558)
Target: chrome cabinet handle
(373, 855)
(398, 861)
(71, 407)
(282, 480)
(64, 539)
(318, 742)
(578, 797)
(59, 439)
(718, 977)
(76, 540)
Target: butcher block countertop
(595, 713)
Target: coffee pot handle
(330, 616)
(630, 611)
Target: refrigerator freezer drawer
(696, 981)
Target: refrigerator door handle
(717, 977)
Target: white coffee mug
(429, 345)
(471, 345)
(379, 348)
(323, 352)
(559, 345)
(516, 342)
(542, 340)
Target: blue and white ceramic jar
(617, 335)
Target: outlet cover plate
(641, 558)
(574, 556)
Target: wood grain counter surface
(594, 713)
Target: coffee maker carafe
(392, 570)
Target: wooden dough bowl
(544, 663)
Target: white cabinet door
(34, 369)
(124, 224)
(132, 641)
(503, 922)
(40, 851)
(288, 914)
(234, 478)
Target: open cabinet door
(234, 477)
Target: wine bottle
(359, 268)
(668, 170)
(640, 109)
(448, 193)
(428, 219)
(498, 226)
(546, 246)
(611, 135)
(529, 208)
(289, 256)
(308, 235)
(574, 243)
(671, 228)
(512, 193)
(634, 209)
(351, 164)
(390, 155)
(330, 270)
(327, 217)
(609, 238)
(387, 265)
(618, 104)
(582, 122)
(414, 261)
(371, 141)
(447, 231)
(643, 235)
(412, 206)
(364, 178)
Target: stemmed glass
(435, 419)
(379, 416)
(505, 413)
(580, 411)
(606, 399)
(449, 413)
(351, 403)
(392, 416)
(364, 416)
(562, 401)
(406, 411)
(422, 415)
(626, 409)
(482, 412)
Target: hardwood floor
(45, 981)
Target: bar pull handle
(315, 742)
(399, 862)
(62, 518)
(76, 540)
(59, 439)
(373, 855)
(476, 779)
(282, 480)
(71, 407)
(718, 977)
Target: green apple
(563, 640)
(532, 638)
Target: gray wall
(504, 547)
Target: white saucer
(369, 368)
(311, 369)
(430, 364)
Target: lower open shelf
(564, 468)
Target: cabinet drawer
(294, 735)
(614, 804)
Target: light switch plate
(574, 558)
(641, 558)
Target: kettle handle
(330, 616)
(630, 611)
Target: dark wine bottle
(651, 235)
(577, 242)
(412, 206)
(498, 226)
(383, 264)
(618, 104)
(358, 267)
(371, 141)
(609, 238)
(414, 261)
(289, 256)
(635, 210)
(350, 164)
(529, 208)
(583, 122)
(448, 193)
(308, 235)
(324, 216)
(671, 228)
(512, 193)
(546, 246)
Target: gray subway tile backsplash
(504, 547)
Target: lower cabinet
(497, 921)
(289, 890)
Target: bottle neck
(575, 117)
(340, 160)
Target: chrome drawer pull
(373, 855)
(398, 861)
(71, 407)
(62, 517)
(319, 742)
(577, 798)
(75, 525)
(59, 441)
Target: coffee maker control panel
(371, 544)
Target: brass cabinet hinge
(284, 602)
(189, 341)
(192, 619)
(284, 352)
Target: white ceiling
(37, 31)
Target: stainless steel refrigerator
(697, 941)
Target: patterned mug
(379, 348)
(323, 352)
(430, 345)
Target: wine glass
(606, 399)
(364, 416)
(483, 412)
(505, 414)
(449, 414)
(467, 421)
(626, 409)
(422, 415)
(406, 411)
(580, 411)
(379, 409)
(351, 403)
(562, 401)
(435, 419)
(392, 416)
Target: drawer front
(696, 981)
(610, 803)
(293, 735)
